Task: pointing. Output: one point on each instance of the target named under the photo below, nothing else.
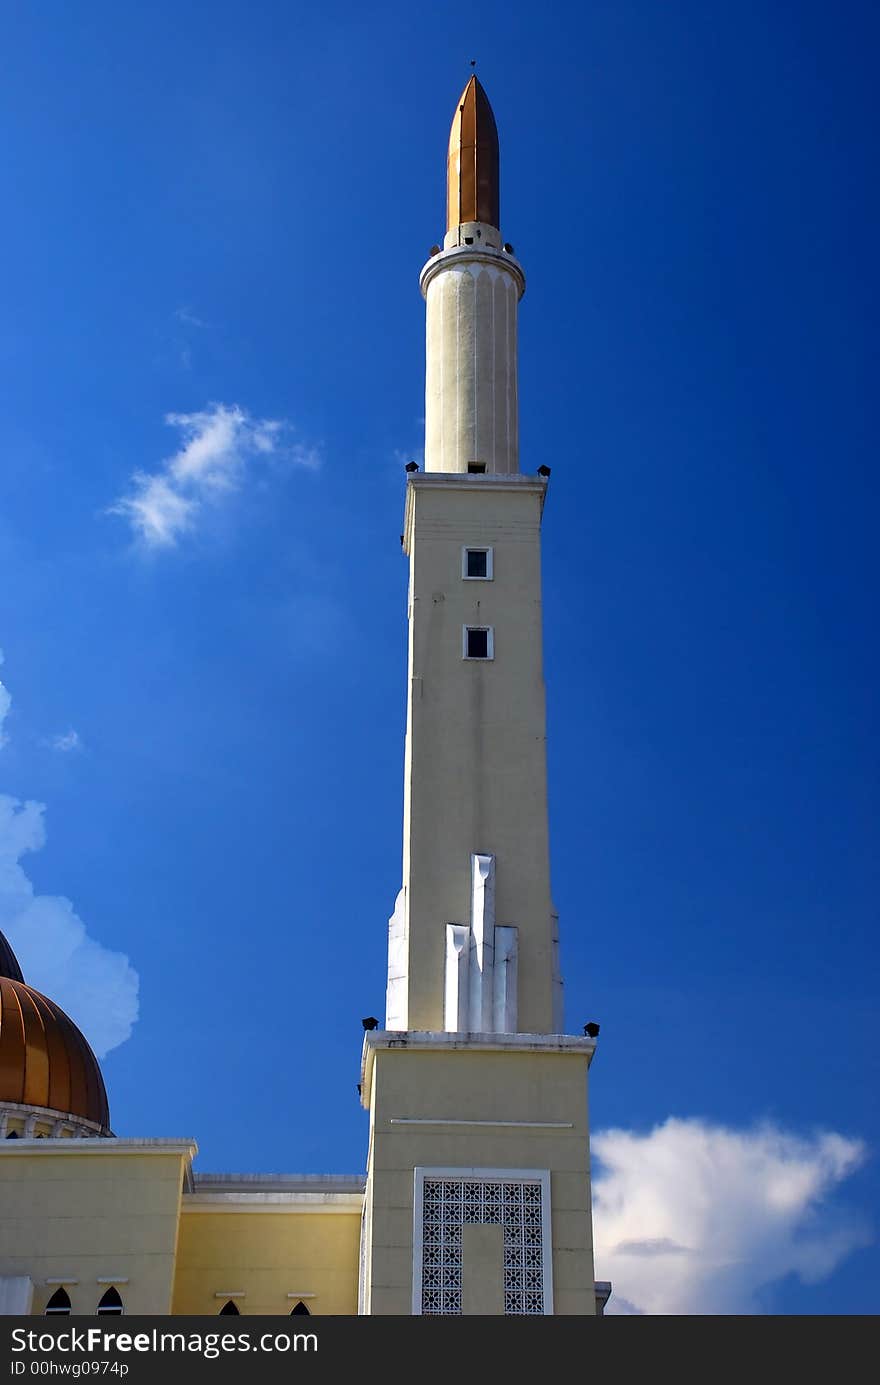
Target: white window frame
(541, 1176)
(477, 548)
(490, 644)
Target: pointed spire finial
(473, 162)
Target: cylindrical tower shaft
(472, 288)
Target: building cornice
(434, 1041)
(107, 1145)
(277, 1202)
(279, 1182)
(514, 481)
(502, 261)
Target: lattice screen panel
(448, 1203)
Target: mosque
(476, 1196)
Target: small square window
(476, 468)
(476, 564)
(478, 642)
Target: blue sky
(225, 207)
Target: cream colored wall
(475, 763)
(482, 1289)
(471, 406)
(268, 1255)
(74, 1212)
(469, 1084)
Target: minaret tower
(478, 1181)
(472, 940)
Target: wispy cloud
(699, 1218)
(189, 318)
(66, 742)
(5, 704)
(217, 444)
(96, 986)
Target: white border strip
(541, 1176)
(519, 1125)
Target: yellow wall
(475, 758)
(71, 1211)
(268, 1255)
(416, 1083)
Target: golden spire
(472, 180)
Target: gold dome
(44, 1059)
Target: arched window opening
(229, 1309)
(58, 1303)
(111, 1302)
(300, 1311)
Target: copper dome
(44, 1059)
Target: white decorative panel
(455, 1001)
(16, 1295)
(398, 967)
(504, 1017)
(480, 980)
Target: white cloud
(96, 986)
(67, 741)
(698, 1218)
(216, 445)
(5, 704)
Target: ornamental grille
(448, 1203)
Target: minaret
(478, 1195)
(472, 942)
